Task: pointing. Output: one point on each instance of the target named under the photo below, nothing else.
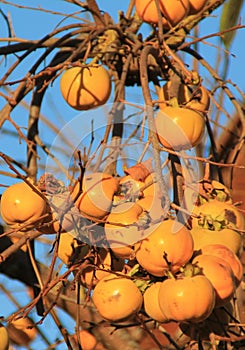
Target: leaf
(229, 19)
(140, 171)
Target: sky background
(33, 24)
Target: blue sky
(31, 24)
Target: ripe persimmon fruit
(22, 206)
(173, 11)
(86, 339)
(196, 6)
(220, 274)
(4, 338)
(179, 128)
(168, 246)
(85, 87)
(97, 193)
(117, 298)
(186, 298)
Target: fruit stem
(134, 270)
(169, 273)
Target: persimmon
(4, 337)
(26, 328)
(151, 304)
(101, 266)
(97, 194)
(130, 188)
(179, 128)
(198, 193)
(196, 6)
(69, 249)
(193, 97)
(168, 246)
(147, 10)
(220, 274)
(63, 215)
(190, 299)
(228, 255)
(196, 98)
(22, 207)
(228, 237)
(122, 229)
(85, 87)
(151, 187)
(151, 200)
(86, 339)
(220, 192)
(153, 206)
(173, 11)
(117, 298)
(218, 215)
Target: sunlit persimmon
(173, 11)
(100, 266)
(117, 298)
(153, 206)
(68, 249)
(168, 246)
(217, 215)
(4, 338)
(228, 237)
(228, 255)
(197, 193)
(151, 303)
(85, 87)
(196, 6)
(86, 339)
(97, 194)
(63, 215)
(179, 128)
(123, 229)
(147, 10)
(196, 98)
(220, 274)
(186, 298)
(193, 97)
(22, 207)
(130, 189)
(26, 328)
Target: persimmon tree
(151, 130)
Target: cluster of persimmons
(135, 258)
(176, 271)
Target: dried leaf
(140, 171)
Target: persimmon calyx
(190, 270)
(141, 284)
(215, 224)
(173, 102)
